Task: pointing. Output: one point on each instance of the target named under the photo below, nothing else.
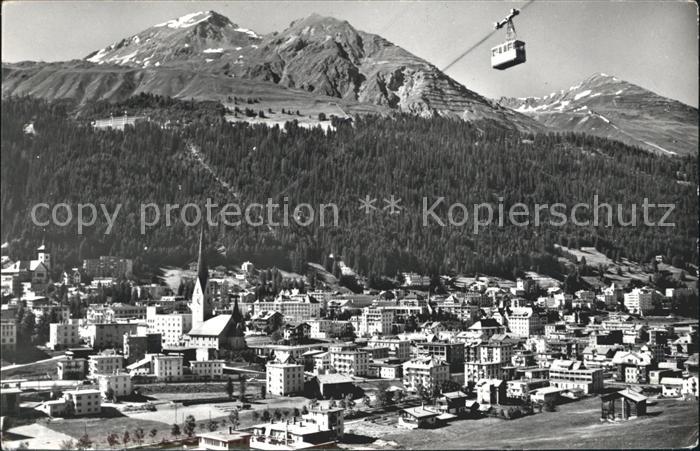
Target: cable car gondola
(512, 51)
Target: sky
(650, 43)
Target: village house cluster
(484, 346)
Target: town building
(632, 367)
(207, 369)
(482, 330)
(450, 353)
(524, 322)
(424, 374)
(224, 440)
(328, 419)
(398, 349)
(64, 335)
(490, 391)
(8, 334)
(119, 383)
(110, 335)
(350, 362)
(167, 367)
(547, 395)
(327, 328)
(137, 346)
(420, 417)
(105, 363)
(295, 308)
(108, 266)
(572, 374)
(473, 371)
(521, 388)
(36, 274)
(375, 321)
(84, 402)
(456, 403)
(639, 301)
(111, 313)
(171, 326)
(71, 369)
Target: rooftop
(212, 327)
(420, 412)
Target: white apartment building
(207, 369)
(295, 308)
(523, 322)
(172, 326)
(473, 371)
(350, 363)
(119, 382)
(570, 374)
(639, 301)
(427, 373)
(85, 402)
(64, 335)
(375, 321)
(104, 364)
(285, 378)
(496, 352)
(167, 367)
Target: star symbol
(392, 205)
(367, 204)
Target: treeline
(155, 107)
(404, 156)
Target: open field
(670, 424)
(99, 428)
(628, 270)
(166, 413)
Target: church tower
(201, 303)
(43, 256)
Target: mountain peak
(604, 105)
(316, 22)
(600, 78)
(192, 19)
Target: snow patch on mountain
(250, 33)
(186, 21)
(97, 57)
(583, 94)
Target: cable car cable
(484, 39)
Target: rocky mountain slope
(206, 54)
(604, 105)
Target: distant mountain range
(604, 105)
(324, 61)
(206, 56)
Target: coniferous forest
(67, 160)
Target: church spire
(202, 270)
(238, 320)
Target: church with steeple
(220, 332)
(201, 305)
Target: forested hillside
(66, 160)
